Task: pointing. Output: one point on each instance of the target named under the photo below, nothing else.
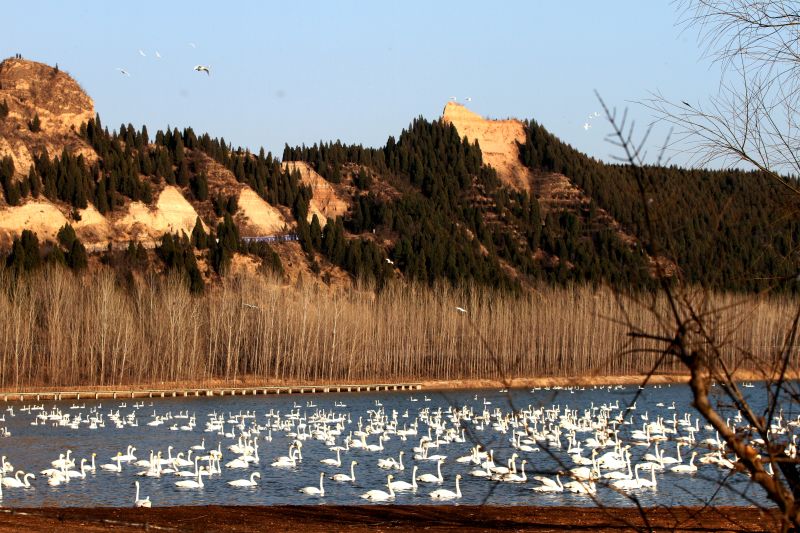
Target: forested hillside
(425, 207)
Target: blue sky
(299, 72)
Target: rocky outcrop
(498, 141)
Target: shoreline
(219, 387)
(321, 518)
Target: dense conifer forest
(452, 218)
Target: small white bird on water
(203, 68)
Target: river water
(32, 447)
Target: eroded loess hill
(31, 90)
(498, 141)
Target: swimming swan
(141, 502)
(345, 477)
(244, 482)
(314, 491)
(444, 494)
(379, 495)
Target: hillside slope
(462, 199)
(32, 89)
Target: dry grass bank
(62, 331)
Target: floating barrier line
(203, 391)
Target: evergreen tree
(199, 237)
(35, 125)
(315, 232)
(66, 236)
(199, 186)
(76, 257)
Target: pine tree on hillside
(66, 236)
(76, 257)
(199, 236)
(35, 125)
(199, 186)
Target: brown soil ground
(386, 518)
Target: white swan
(581, 487)
(344, 477)
(141, 502)
(548, 485)
(239, 462)
(244, 482)
(511, 477)
(379, 495)
(191, 483)
(314, 491)
(188, 473)
(444, 494)
(649, 483)
(691, 468)
(430, 478)
(333, 462)
(630, 483)
(16, 483)
(117, 467)
(405, 485)
(75, 473)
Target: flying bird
(389, 261)
(461, 309)
(142, 53)
(158, 56)
(468, 98)
(251, 306)
(586, 126)
(686, 103)
(203, 68)
(193, 45)
(453, 98)
(123, 72)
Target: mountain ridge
(463, 198)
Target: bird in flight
(251, 306)
(158, 56)
(453, 98)
(123, 72)
(203, 68)
(461, 309)
(193, 45)
(389, 261)
(686, 103)
(468, 98)
(586, 126)
(142, 53)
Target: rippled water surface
(32, 447)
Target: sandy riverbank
(325, 518)
(258, 382)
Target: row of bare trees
(63, 330)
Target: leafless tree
(752, 121)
